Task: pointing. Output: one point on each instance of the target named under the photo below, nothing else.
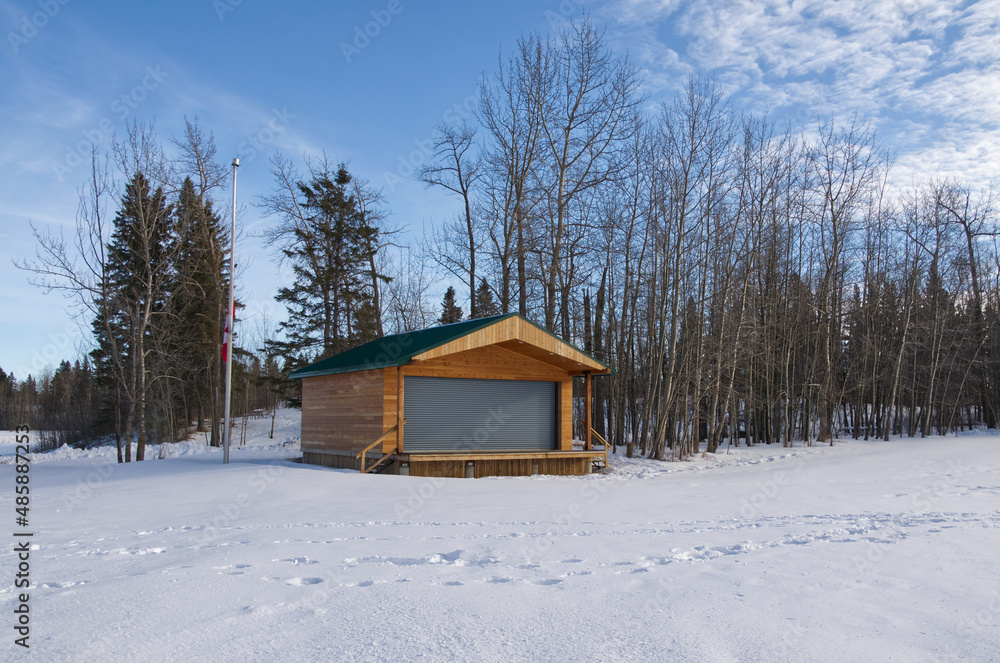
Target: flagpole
(231, 317)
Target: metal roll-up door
(455, 414)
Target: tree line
(147, 268)
(59, 403)
(746, 281)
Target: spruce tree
(199, 285)
(330, 244)
(450, 311)
(134, 296)
(7, 389)
(486, 305)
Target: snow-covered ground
(867, 551)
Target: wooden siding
(486, 363)
(342, 412)
(534, 343)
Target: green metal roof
(394, 350)
(399, 349)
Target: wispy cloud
(924, 71)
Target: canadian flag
(225, 337)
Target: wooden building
(487, 397)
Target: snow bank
(287, 425)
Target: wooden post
(399, 409)
(587, 424)
(565, 414)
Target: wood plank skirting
(336, 459)
(493, 464)
(472, 464)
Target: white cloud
(978, 44)
(924, 71)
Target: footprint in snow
(402, 561)
(62, 585)
(301, 582)
(297, 560)
(453, 557)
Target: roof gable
(509, 330)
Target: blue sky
(264, 77)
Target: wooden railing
(362, 455)
(607, 446)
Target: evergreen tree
(82, 400)
(138, 249)
(366, 319)
(450, 311)
(108, 375)
(133, 299)
(486, 305)
(26, 403)
(7, 391)
(330, 244)
(199, 284)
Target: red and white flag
(226, 335)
